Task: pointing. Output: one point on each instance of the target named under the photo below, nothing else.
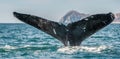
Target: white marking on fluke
(92, 16)
(86, 19)
(112, 16)
(54, 31)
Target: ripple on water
(20, 41)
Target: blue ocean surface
(22, 41)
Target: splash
(9, 47)
(75, 49)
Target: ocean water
(21, 41)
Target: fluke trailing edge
(72, 34)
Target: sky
(54, 9)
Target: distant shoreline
(115, 22)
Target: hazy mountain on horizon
(72, 16)
(117, 15)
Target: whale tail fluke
(72, 34)
(50, 27)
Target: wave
(8, 48)
(65, 50)
(76, 49)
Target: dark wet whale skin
(72, 34)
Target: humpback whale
(73, 33)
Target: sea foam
(75, 49)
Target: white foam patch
(75, 49)
(8, 47)
(26, 46)
(37, 52)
